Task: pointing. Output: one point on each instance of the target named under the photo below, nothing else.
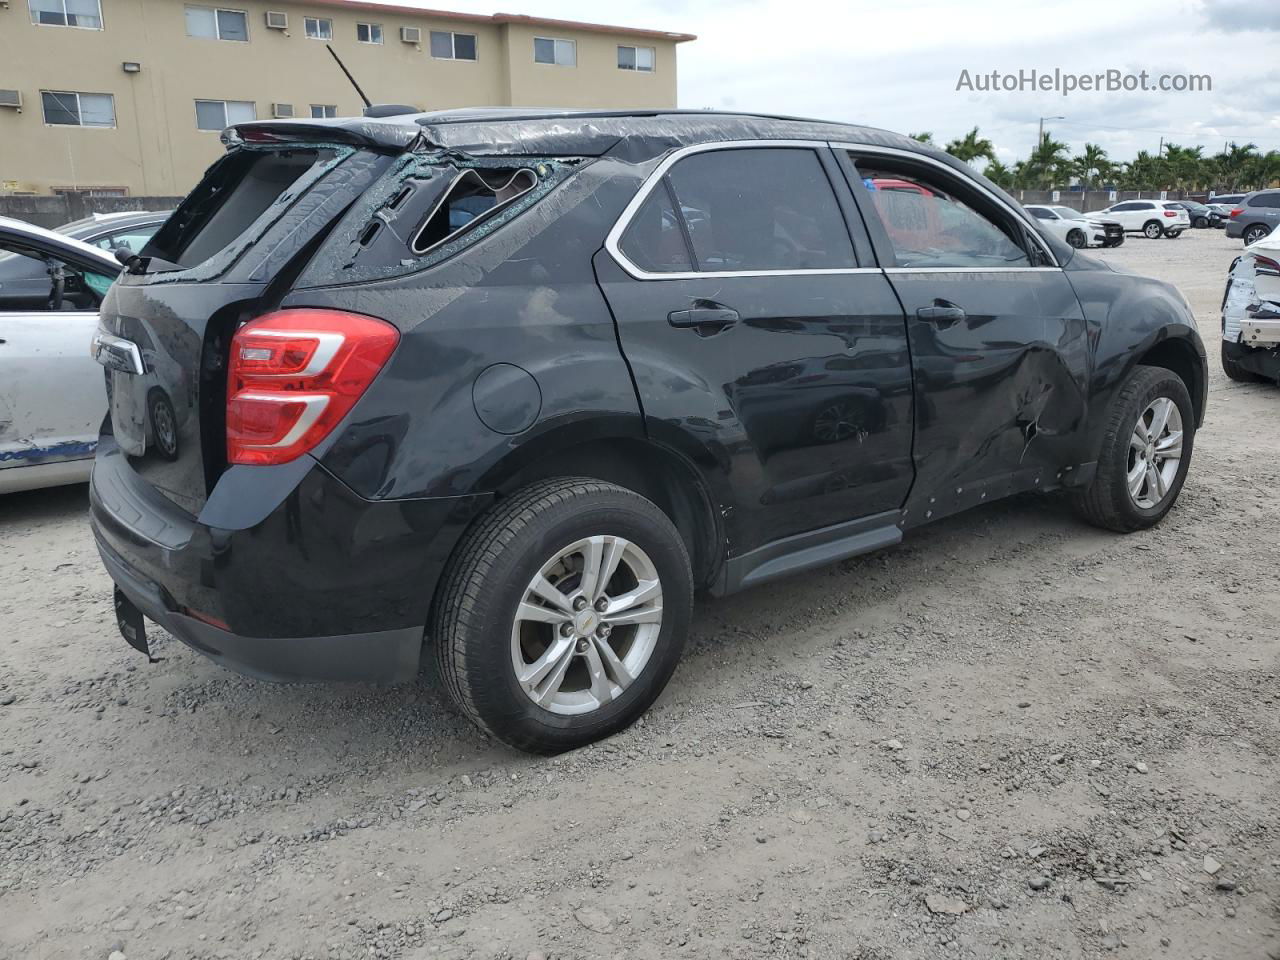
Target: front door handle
(705, 317)
(942, 313)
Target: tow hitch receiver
(132, 628)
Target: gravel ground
(1012, 736)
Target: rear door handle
(703, 317)
(941, 313)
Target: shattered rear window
(429, 207)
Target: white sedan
(1076, 228)
(1151, 218)
(52, 394)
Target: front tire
(1145, 453)
(1077, 239)
(1173, 234)
(563, 614)
(1201, 222)
(1152, 230)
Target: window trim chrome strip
(613, 240)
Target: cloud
(1236, 16)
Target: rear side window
(655, 240)
(1041, 214)
(760, 209)
(1266, 200)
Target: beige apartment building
(127, 97)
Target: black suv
(509, 387)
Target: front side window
(67, 109)
(743, 210)
(452, 46)
(220, 114)
(86, 14)
(636, 58)
(369, 32)
(318, 28)
(323, 111)
(562, 53)
(217, 23)
(1040, 213)
(929, 225)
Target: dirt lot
(1013, 736)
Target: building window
(217, 24)
(66, 109)
(96, 192)
(453, 46)
(86, 14)
(318, 28)
(220, 114)
(369, 32)
(323, 111)
(563, 53)
(635, 58)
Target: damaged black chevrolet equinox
(509, 386)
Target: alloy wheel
(1254, 234)
(587, 625)
(1155, 453)
(1152, 231)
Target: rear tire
(1238, 373)
(1152, 230)
(1109, 502)
(1254, 233)
(493, 633)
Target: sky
(898, 65)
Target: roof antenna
(370, 110)
(349, 76)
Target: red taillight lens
(294, 374)
(1237, 211)
(1265, 266)
(1170, 213)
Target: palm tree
(1049, 162)
(1183, 167)
(1000, 175)
(1232, 162)
(970, 147)
(925, 137)
(1092, 160)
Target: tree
(1000, 175)
(1091, 162)
(970, 147)
(1183, 167)
(1232, 163)
(1049, 163)
(925, 137)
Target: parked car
(520, 445)
(1251, 314)
(1202, 215)
(1255, 216)
(22, 279)
(1151, 218)
(52, 395)
(1223, 204)
(1076, 228)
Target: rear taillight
(1170, 213)
(294, 374)
(1265, 266)
(1237, 211)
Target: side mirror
(123, 254)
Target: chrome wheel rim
(1153, 230)
(1155, 453)
(587, 625)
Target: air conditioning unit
(411, 34)
(282, 111)
(11, 98)
(277, 20)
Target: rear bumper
(1259, 360)
(321, 585)
(1234, 228)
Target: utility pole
(1040, 138)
